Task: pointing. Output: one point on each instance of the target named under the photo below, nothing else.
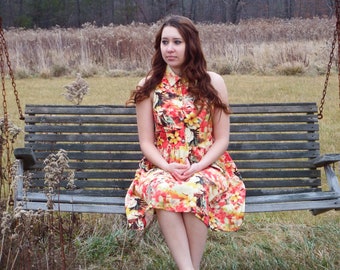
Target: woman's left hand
(194, 168)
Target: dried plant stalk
(76, 91)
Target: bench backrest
(272, 145)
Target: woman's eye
(165, 42)
(177, 42)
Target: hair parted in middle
(194, 68)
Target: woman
(186, 176)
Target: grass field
(286, 240)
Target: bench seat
(275, 146)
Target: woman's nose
(170, 47)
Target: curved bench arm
(326, 161)
(26, 155)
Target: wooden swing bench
(276, 148)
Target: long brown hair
(194, 68)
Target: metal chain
(337, 2)
(324, 92)
(10, 71)
(5, 132)
(336, 37)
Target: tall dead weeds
(40, 239)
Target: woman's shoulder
(215, 77)
(217, 81)
(142, 82)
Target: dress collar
(171, 76)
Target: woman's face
(173, 48)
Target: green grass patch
(285, 240)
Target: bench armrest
(26, 155)
(325, 160)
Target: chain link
(5, 131)
(324, 92)
(10, 71)
(338, 30)
(336, 37)
(5, 140)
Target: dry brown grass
(258, 46)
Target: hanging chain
(336, 37)
(5, 131)
(10, 71)
(5, 138)
(337, 3)
(324, 92)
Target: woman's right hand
(177, 170)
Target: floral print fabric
(216, 195)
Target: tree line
(74, 13)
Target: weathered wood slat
(251, 119)
(283, 183)
(49, 147)
(112, 165)
(124, 119)
(282, 174)
(274, 128)
(274, 146)
(78, 208)
(98, 175)
(46, 143)
(274, 155)
(272, 164)
(250, 207)
(239, 156)
(111, 183)
(106, 119)
(115, 109)
(105, 184)
(292, 206)
(99, 192)
(82, 129)
(99, 156)
(246, 146)
(120, 192)
(80, 109)
(123, 164)
(241, 137)
(247, 174)
(279, 191)
(81, 138)
(133, 138)
(39, 197)
(62, 128)
(308, 196)
(274, 108)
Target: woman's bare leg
(197, 233)
(175, 234)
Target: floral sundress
(216, 195)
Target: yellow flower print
(236, 197)
(174, 137)
(183, 152)
(179, 154)
(191, 120)
(160, 141)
